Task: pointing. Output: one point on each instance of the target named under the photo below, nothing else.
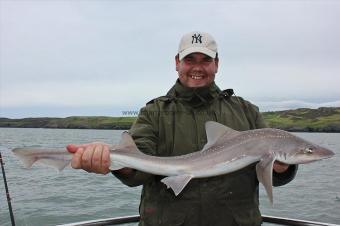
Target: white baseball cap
(196, 41)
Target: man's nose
(197, 66)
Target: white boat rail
(135, 218)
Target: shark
(226, 151)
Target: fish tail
(27, 160)
(50, 159)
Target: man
(173, 125)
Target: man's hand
(280, 167)
(93, 157)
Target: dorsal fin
(127, 142)
(215, 131)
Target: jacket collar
(194, 96)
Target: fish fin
(60, 165)
(177, 183)
(215, 131)
(26, 160)
(264, 171)
(127, 143)
(50, 159)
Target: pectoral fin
(264, 171)
(177, 183)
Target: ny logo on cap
(196, 38)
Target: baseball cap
(196, 41)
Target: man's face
(196, 70)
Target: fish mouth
(323, 157)
(325, 154)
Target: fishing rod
(7, 192)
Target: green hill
(325, 119)
(73, 122)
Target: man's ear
(216, 64)
(177, 61)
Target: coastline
(324, 119)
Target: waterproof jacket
(174, 125)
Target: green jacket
(174, 125)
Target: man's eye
(188, 60)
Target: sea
(43, 196)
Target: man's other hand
(280, 167)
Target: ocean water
(43, 196)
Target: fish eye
(308, 151)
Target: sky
(62, 58)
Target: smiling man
(173, 125)
(197, 61)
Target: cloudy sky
(61, 57)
